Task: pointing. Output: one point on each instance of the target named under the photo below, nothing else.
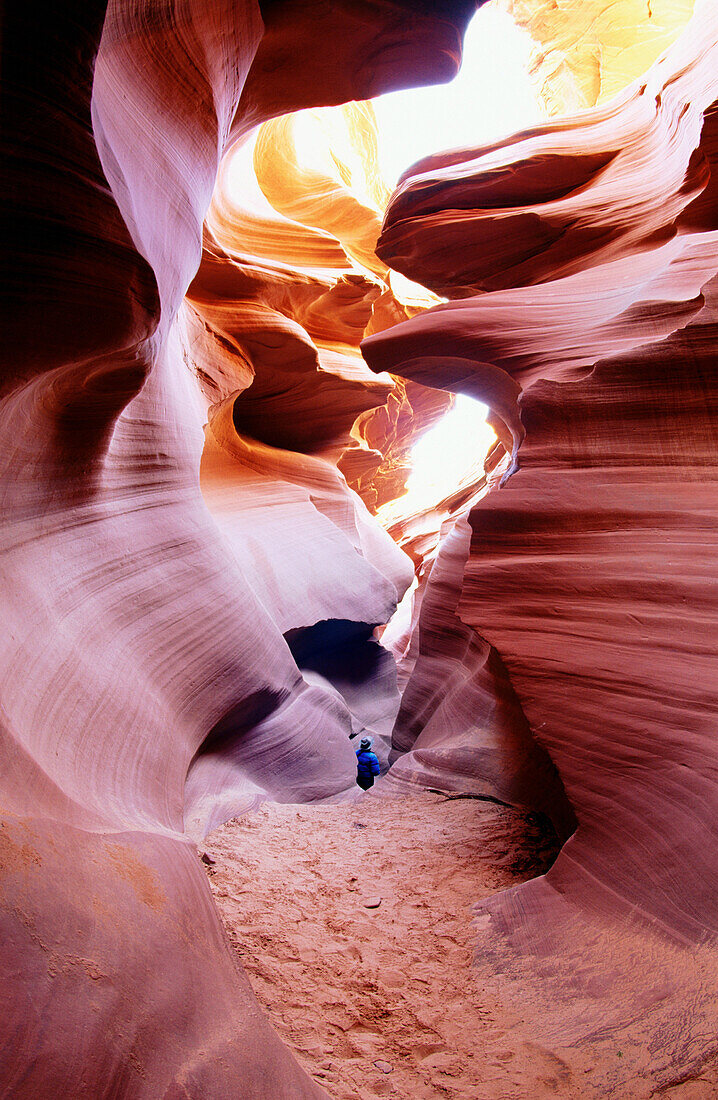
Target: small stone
(206, 858)
(371, 903)
(385, 1067)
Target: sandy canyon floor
(381, 999)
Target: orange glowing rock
(589, 52)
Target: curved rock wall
(184, 418)
(138, 636)
(590, 570)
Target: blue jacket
(367, 762)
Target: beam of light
(440, 456)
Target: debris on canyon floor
(355, 990)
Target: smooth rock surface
(137, 636)
(191, 452)
(590, 570)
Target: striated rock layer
(146, 681)
(590, 571)
(192, 450)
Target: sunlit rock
(194, 458)
(586, 53)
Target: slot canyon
(228, 333)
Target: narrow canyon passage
(250, 276)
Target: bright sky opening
(446, 458)
(491, 97)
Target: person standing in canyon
(367, 764)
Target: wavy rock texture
(145, 677)
(590, 570)
(192, 450)
(273, 322)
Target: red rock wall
(148, 689)
(591, 570)
(133, 624)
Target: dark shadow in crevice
(240, 719)
(540, 843)
(345, 657)
(340, 650)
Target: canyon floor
(382, 999)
